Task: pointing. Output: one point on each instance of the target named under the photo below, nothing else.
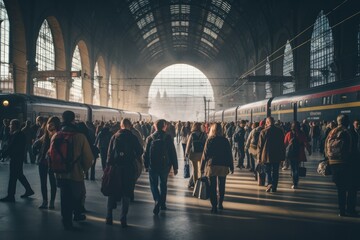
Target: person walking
(159, 157)
(216, 162)
(298, 141)
(124, 150)
(43, 144)
(271, 151)
(16, 150)
(194, 151)
(71, 183)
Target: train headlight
(5, 103)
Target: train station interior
(188, 60)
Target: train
(28, 107)
(322, 103)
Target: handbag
(324, 168)
(202, 189)
(187, 169)
(302, 171)
(111, 181)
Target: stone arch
(103, 80)
(86, 73)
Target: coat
(271, 148)
(194, 156)
(217, 157)
(302, 140)
(16, 148)
(128, 168)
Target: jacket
(217, 157)
(344, 136)
(16, 148)
(271, 148)
(82, 155)
(188, 151)
(170, 150)
(128, 168)
(303, 143)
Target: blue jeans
(272, 174)
(154, 176)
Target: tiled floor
(306, 213)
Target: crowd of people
(211, 149)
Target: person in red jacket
(301, 143)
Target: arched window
(45, 58)
(180, 92)
(288, 69)
(268, 88)
(96, 97)
(321, 53)
(110, 92)
(76, 90)
(6, 81)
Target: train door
(294, 105)
(251, 115)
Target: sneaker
(156, 209)
(27, 194)
(44, 205)
(7, 199)
(294, 187)
(79, 217)
(163, 207)
(268, 188)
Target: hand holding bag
(111, 181)
(186, 169)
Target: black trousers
(44, 171)
(103, 155)
(214, 182)
(71, 199)
(16, 173)
(344, 179)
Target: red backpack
(61, 152)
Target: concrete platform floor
(250, 213)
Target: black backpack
(123, 152)
(158, 152)
(198, 143)
(293, 148)
(255, 138)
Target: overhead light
(5, 103)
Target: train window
(306, 103)
(324, 100)
(300, 104)
(343, 97)
(358, 95)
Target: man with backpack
(159, 157)
(124, 150)
(70, 156)
(251, 145)
(338, 149)
(239, 142)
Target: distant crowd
(66, 152)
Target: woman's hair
(215, 130)
(57, 124)
(196, 127)
(295, 126)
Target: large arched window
(6, 81)
(321, 53)
(268, 88)
(45, 58)
(179, 92)
(76, 90)
(96, 96)
(110, 92)
(288, 68)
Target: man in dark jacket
(102, 142)
(239, 141)
(159, 157)
(271, 151)
(4, 135)
(16, 151)
(124, 150)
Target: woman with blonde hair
(194, 149)
(216, 162)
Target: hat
(262, 123)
